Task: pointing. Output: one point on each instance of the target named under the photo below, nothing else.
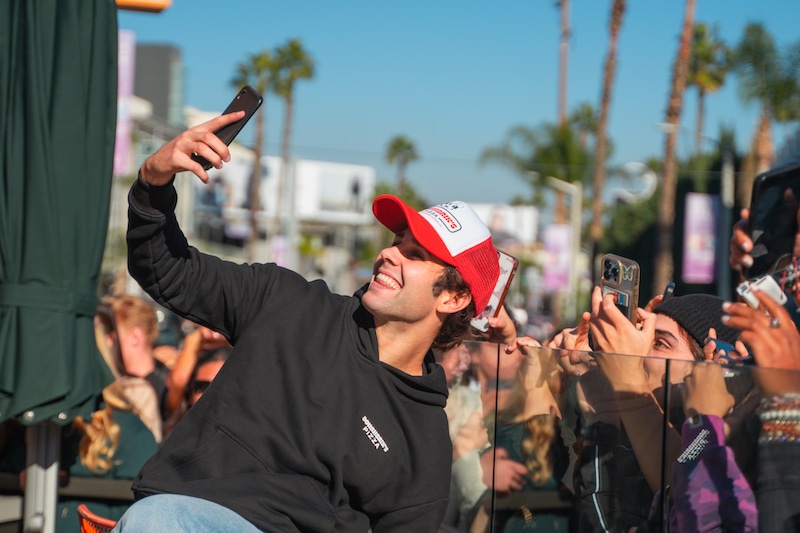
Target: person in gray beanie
(676, 330)
(696, 314)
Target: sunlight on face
(670, 341)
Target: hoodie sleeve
(709, 491)
(205, 289)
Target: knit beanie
(696, 313)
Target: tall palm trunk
(563, 61)
(664, 261)
(255, 185)
(701, 111)
(596, 230)
(764, 148)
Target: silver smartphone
(508, 266)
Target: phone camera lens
(611, 271)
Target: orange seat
(91, 523)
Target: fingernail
(725, 319)
(747, 261)
(726, 306)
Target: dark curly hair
(456, 326)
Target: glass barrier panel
(560, 440)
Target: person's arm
(203, 288)
(199, 340)
(640, 412)
(180, 374)
(709, 491)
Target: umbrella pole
(41, 483)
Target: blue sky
(454, 76)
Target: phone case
(620, 276)
(773, 220)
(246, 99)
(508, 266)
(767, 284)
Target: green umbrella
(58, 83)
(58, 88)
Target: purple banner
(699, 239)
(557, 246)
(126, 71)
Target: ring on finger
(194, 151)
(774, 323)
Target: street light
(723, 270)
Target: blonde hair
(539, 436)
(99, 442)
(540, 429)
(131, 311)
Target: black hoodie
(303, 429)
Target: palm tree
(563, 59)
(709, 63)
(292, 63)
(552, 150)
(664, 261)
(599, 177)
(584, 119)
(258, 72)
(771, 79)
(401, 150)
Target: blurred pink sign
(699, 239)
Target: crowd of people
(385, 411)
(136, 411)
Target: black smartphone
(508, 266)
(620, 276)
(773, 220)
(247, 100)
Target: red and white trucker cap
(452, 232)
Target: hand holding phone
(508, 266)
(766, 284)
(773, 220)
(247, 100)
(620, 276)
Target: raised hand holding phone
(247, 100)
(773, 220)
(508, 266)
(175, 156)
(620, 276)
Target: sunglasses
(199, 387)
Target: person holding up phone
(328, 414)
(775, 345)
(631, 357)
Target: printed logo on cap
(443, 215)
(458, 225)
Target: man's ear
(137, 334)
(453, 302)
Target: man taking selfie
(328, 414)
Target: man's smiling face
(402, 282)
